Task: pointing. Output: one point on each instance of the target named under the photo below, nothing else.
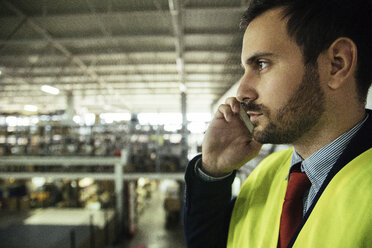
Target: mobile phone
(245, 117)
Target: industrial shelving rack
(101, 152)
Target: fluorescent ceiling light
(31, 108)
(50, 89)
(180, 65)
(183, 87)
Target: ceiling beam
(148, 76)
(99, 55)
(39, 29)
(114, 38)
(230, 92)
(245, 3)
(86, 39)
(87, 12)
(151, 68)
(216, 80)
(120, 92)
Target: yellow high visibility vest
(342, 217)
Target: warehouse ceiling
(118, 56)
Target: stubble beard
(302, 111)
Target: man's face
(284, 97)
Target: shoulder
(279, 155)
(275, 166)
(275, 161)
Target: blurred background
(102, 105)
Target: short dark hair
(316, 24)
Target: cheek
(279, 86)
(276, 93)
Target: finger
(225, 111)
(234, 104)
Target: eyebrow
(256, 56)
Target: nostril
(245, 100)
(244, 106)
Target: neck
(326, 130)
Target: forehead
(267, 33)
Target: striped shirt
(319, 164)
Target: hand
(227, 144)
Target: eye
(261, 65)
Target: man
(307, 74)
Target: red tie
(292, 207)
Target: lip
(254, 116)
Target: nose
(246, 90)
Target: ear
(342, 54)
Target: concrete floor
(47, 228)
(151, 231)
(50, 228)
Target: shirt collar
(318, 165)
